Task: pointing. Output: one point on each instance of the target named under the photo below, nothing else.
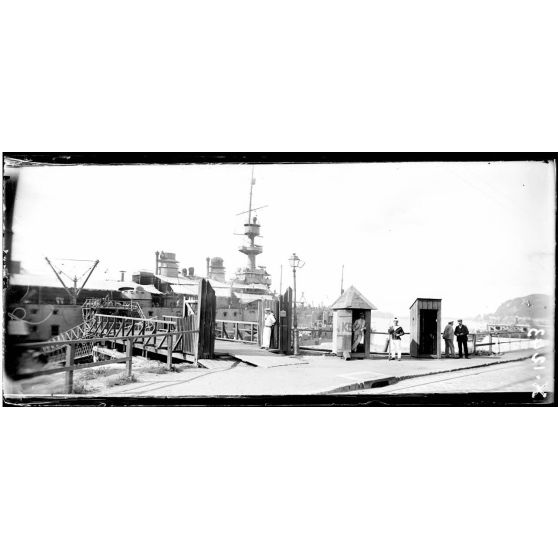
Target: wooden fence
(129, 341)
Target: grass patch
(153, 367)
(160, 370)
(100, 372)
(82, 387)
(121, 380)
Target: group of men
(461, 332)
(395, 333)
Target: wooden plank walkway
(254, 355)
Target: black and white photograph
(279, 279)
(250, 278)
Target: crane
(73, 292)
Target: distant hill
(534, 306)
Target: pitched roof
(246, 298)
(190, 290)
(353, 298)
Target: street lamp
(296, 263)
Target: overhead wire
(13, 316)
(22, 319)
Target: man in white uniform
(395, 333)
(268, 324)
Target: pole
(342, 270)
(169, 352)
(70, 356)
(129, 354)
(86, 279)
(251, 187)
(58, 276)
(281, 281)
(295, 323)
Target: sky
(472, 234)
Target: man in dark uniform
(461, 332)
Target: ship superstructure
(252, 274)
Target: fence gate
(281, 335)
(206, 312)
(282, 332)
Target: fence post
(169, 351)
(70, 356)
(490, 343)
(129, 353)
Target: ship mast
(251, 230)
(252, 182)
(252, 274)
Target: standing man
(395, 333)
(448, 340)
(269, 322)
(359, 327)
(461, 332)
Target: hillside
(534, 306)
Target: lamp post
(296, 263)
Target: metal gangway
(84, 331)
(109, 323)
(57, 352)
(92, 306)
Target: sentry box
(346, 311)
(426, 323)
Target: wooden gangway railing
(234, 330)
(109, 327)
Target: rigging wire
(13, 316)
(26, 293)
(22, 319)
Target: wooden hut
(426, 323)
(346, 310)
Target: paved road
(310, 374)
(508, 377)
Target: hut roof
(353, 298)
